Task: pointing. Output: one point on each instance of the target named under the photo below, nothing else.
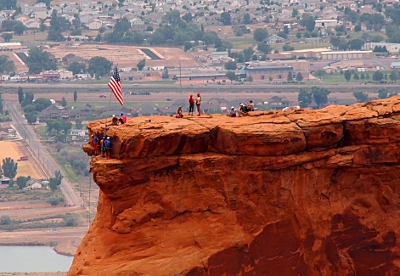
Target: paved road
(43, 158)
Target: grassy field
(25, 168)
(337, 78)
(370, 33)
(304, 46)
(241, 42)
(42, 132)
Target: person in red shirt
(191, 104)
(122, 120)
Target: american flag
(116, 87)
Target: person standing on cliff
(198, 103)
(102, 148)
(107, 145)
(191, 104)
(96, 144)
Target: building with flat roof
(345, 55)
(10, 46)
(274, 73)
(390, 47)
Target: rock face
(294, 192)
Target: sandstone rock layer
(295, 192)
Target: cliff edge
(296, 192)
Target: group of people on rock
(192, 101)
(101, 145)
(121, 120)
(243, 109)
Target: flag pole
(109, 103)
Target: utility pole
(180, 76)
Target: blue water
(32, 259)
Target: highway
(41, 155)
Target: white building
(326, 23)
(390, 47)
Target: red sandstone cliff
(281, 193)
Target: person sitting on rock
(232, 112)
(122, 120)
(114, 120)
(250, 106)
(179, 112)
(242, 109)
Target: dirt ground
(67, 239)
(15, 149)
(127, 56)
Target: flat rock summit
(296, 192)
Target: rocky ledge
(296, 192)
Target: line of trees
(318, 94)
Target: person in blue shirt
(107, 145)
(96, 145)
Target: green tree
(53, 184)
(20, 95)
(28, 99)
(308, 21)
(320, 73)
(382, 93)
(377, 76)
(248, 53)
(76, 67)
(264, 47)
(75, 96)
(356, 76)
(19, 28)
(78, 123)
(141, 64)
(230, 65)
(347, 75)
(41, 104)
(21, 182)
(6, 66)
(298, 35)
(360, 96)
(225, 18)
(76, 22)
(246, 18)
(64, 102)
(290, 76)
(38, 60)
(5, 220)
(231, 75)
(320, 95)
(295, 12)
(299, 77)
(30, 118)
(99, 66)
(7, 37)
(394, 76)
(188, 17)
(9, 167)
(66, 126)
(165, 74)
(29, 108)
(260, 34)
(58, 176)
(55, 31)
(356, 44)
(304, 98)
